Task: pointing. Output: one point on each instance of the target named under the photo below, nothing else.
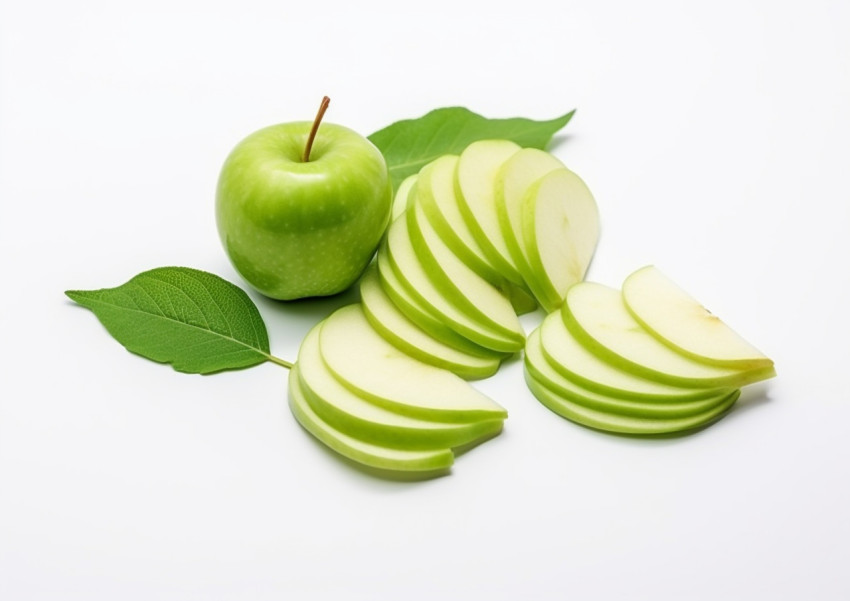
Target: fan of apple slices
(647, 359)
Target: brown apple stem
(322, 108)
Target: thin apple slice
(624, 424)
(373, 368)
(477, 167)
(679, 320)
(541, 370)
(575, 362)
(405, 335)
(403, 195)
(420, 284)
(597, 316)
(375, 456)
(467, 290)
(560, 224)
(437, 195)
(513, 181)
(422, 315)
(357, 417)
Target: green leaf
(410, 144)
(192, 319)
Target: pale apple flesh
(597, 315)
(560, 223)
(678, 319)
(477, 168)
(362, 360)
(389, 321)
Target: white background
(716, 139)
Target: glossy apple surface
(296, 229)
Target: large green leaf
(192, 319)
(410, 144)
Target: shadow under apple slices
(349, 413)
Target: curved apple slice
(560, 223)
(437, 195)
(467, 290)
(420, 284)
(541, 370)
(624, 424)
(362, 452)
(513, 181)
(678, 319)
(422, 315)
(575, 362)
(597, 316)
(405, 335)
(477, 167)
(357, 417)
(373, 368)
(403, 195)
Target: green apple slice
(467, 290)
(678, 319)
(541, 370)
(420, 284)
(575, 362)
(513, 181)
(477, 168)
(597, 316)
(437, 195)
(403, 195)
(373, 368)
(625, 424)
(355, 416)
(421, 314)
(375, 456)
(404, 334)
(560, 223)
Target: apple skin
(296, 229)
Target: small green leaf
(410, 144)
(192, 319)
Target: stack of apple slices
(477, 239)
(647, 359)
(378, 406)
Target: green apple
(477, 167)
(678, 319)
(375, 370)
(389, 321)
(597, 315)
(403, 195)
(560, 229)
(301, 208)
(375, 456)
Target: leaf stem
(279, 361)
(322, 108)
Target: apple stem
(279, 361)
(322, 108)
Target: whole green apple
(295, 228)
